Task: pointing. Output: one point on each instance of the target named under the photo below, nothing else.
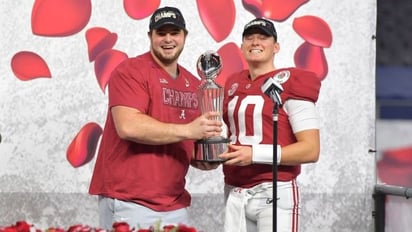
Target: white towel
(235, 216)
(235, 219)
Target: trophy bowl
(209, 65)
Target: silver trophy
(210, 96)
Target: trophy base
(208, 150)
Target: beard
(169, 58)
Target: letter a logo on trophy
(210, 96)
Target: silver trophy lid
(209, 65)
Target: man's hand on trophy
(205, 126)
(202, 165)
(237, 155)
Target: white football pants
(250, 209)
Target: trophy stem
(210, 96)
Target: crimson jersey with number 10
(248, 115)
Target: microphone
(272, 89)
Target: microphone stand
(273, 89)
(275, 164)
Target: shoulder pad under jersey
(298, 84)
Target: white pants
(250, 209)
(137, 216)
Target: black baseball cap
(262, 25)
(167, 16)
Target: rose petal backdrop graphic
(60, 17)
(313, 30)
(99, 39)
(218, 17)
(280, 10)
(27, 65)
(277, 10)
(83, 147)
(232, 61)
(105, 62)
(312, 58)
(310, 54)
(140, 9)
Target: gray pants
(137, 216)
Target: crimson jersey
(248, 115)
(153, 176)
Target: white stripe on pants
(250, 209)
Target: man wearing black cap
(147, 144)
(248, 112)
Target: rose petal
(28, 65)
(60, 17)
(75, 228)
(104, 64)
(83, 147)
(218, 16)
(278, 10)
(22, 226)
(121, 227)
(311, 58)
(254, 7)
(232, 61)
(99, 39)
(139, 9)
(314, 30)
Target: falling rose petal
(278, 10)
(28, 65)
(218, 16)
(60, 17)
(314, 30)
(139, 9)
(104, 64)
(83, 147)
(232, 61)
(99, 39)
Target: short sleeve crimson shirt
(153, 176)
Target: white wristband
(263, 153)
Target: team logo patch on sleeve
(282, 77)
